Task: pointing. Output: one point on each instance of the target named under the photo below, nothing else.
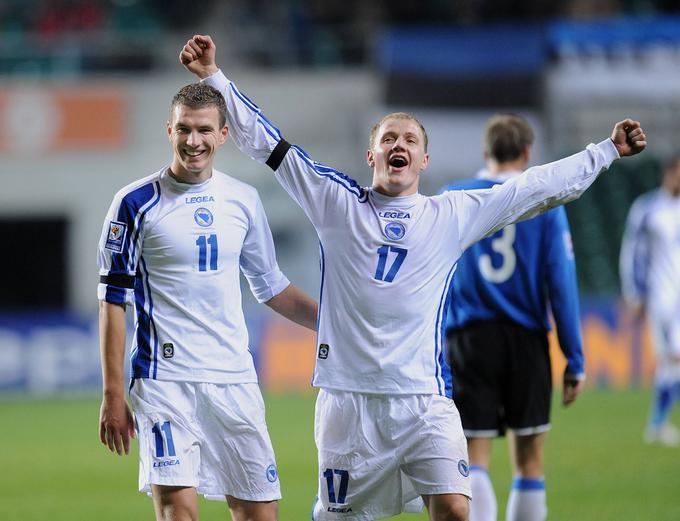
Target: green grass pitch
(54, 468)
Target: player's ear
(168, 127)
(426, 161)
(224, 134)
(370, 159)
(526, 154)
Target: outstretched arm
(116, 425)
(322, 192)
(634, 257)
(296, 305)
(482, 212)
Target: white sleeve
(483, 212)
(634, 255)
(258, 258)
(322, 192)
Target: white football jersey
(650, 254)
(174, 251)
(387, 262)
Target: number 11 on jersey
(204, 244)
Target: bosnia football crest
(203, 217)
(394, 230)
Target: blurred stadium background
(84, 92)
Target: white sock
(483, 506)
(527, 501)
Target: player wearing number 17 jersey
(386, 428)
(497, 331)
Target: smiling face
(397, 155)
(195, 134)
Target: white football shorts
(379, 453)
(208, 436)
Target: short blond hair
(396, 115)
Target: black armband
(121, 281)
(278, 154)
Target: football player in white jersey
(386, 429)
(650, 278)
(172, 245)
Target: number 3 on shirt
(503, 244)
(383, 252)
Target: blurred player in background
(650, 278)
(172, 245)
(497, 331)
(386, 429)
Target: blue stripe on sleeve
(269, 128)
(442, 370)
(322, 170)
(641, 254)
(141, 213)
(334, 175)
(115, 295)
(152, 327)
(131, 212)
(322, 266)
(141, 357)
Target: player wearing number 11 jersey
(496, 331)
(387, 431)
(172, 245)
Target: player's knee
(242, 510)
(174, 513)
(175, 503)
(453, 509)
(459, 512)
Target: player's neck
(182, 175)
(499, 169)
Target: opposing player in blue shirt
(497, 325)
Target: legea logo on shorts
(272, 474)
(463, 468)
(165, 463)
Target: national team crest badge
(203, 217)
(272, 473)
(116, 237)
(323, 351)
(394, 230)
(463, 468)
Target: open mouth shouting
(397, 162)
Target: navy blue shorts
(501, 378)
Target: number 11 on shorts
(330, 474)
(160, 432)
